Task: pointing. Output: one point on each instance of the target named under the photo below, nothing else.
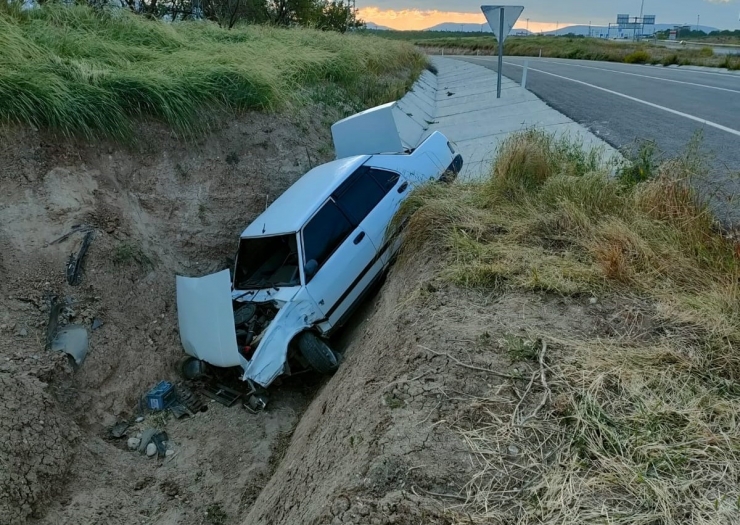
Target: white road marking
(643, 76)
(633, 99)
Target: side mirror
(311, 268)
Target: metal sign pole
(500, 51)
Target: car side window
(324, 233)
(359, 195)
(386, 179)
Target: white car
(305, 263)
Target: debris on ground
(119, 429)
(75, 263)
(76, 228)
(222, 394)
(151, 450)
(146, 438)
(73, 341)
(160, 397)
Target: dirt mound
(157, 208)
(37, 448)
(380, 445)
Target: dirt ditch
(161, 207)
(381, 442)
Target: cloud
(410, 19)
(419, 14)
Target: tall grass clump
(635, 425)
(77, 70)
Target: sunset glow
(416, 19)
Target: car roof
(293, 208)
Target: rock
(169, 453)
(151, 449)
(140, 419)
(133, 443)
(513, 450)
(593, 300)
(23, 332)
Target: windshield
(267, 262)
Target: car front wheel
(317, 353)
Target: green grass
(639, 426)
(89, 72)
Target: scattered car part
(188, 403)
(160, 441)
(73, 341)
(161, 396)
(76, 228)
(191, 368)
(146, 438)
(223, 394)
(256, 403)
(119, 429)
(55, 308)
(317, 353)
(75, 263)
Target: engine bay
(250, 322)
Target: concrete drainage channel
(460, 101)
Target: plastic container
(161, 396)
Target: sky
(545, 15)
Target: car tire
(317, 353)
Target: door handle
(403, 187)
(359, 237)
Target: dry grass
(635, 428)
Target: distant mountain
(574, 29)
(616, 32)
(469, 28)
(376, 27)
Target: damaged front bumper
(205, 307)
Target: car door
(342, 252)
(395, 189)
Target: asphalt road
(625, 104)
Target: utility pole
(589, 28)
(527, 25)
(698, 17)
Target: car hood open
(206, 319)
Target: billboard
(649, 20)
(623, 19)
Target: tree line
(328, 15)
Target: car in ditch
(305, 264)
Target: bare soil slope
(381, 443)
(158, 208)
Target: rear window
(325, 232)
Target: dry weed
(635, 431)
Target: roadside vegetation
(573, 47)
(639, 426)
(93, 72)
